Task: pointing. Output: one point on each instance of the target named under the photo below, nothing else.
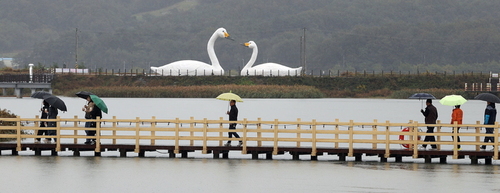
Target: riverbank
(352, 86)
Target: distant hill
(448, 35)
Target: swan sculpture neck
(253, 58)
(211, 51)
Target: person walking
(44, 115)
(233, 116)
(91, 112)
(490, 116)
(431, 116)
(457, 116)
(52, 114)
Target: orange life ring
(402, 137)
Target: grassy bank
(357, 86)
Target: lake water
(158, 173)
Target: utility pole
(76, 48)
(303, 52)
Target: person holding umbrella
(45, 110)
(457, 113)
(490, 114)
(52, 114)
(233, 116)
(456, 116)
(92, 111)
(431, 116)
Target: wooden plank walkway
(269, 138)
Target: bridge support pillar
(314, 158)
(142, 153)
(442, 159)
(4, 93)
(399, 158)
(357, 157)
(382, 158)
(255, 155)
(269, 155)
(123, 153)
(76, 152)
(428, 159)
(225, 155)
(171, 154)
(216, 154)
(14, 152)
(184, 154)
(295, 155)
(33, 90)
(473, 160)
(53, 152)
(18, 92)
(97, 154)
(342, 156)
(487, 161)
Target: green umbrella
(452, 100)
(99, 103)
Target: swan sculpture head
(222, 33)
(250, 44)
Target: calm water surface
(158, 173)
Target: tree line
(399, 35)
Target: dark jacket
(233, 113)
(96, 112)
(431, 114)
(490, 114)
(52, 112)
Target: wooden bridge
(312, 138)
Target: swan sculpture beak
(226, 35)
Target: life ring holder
(402, 137)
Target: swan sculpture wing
(193, 67)
(266, 69)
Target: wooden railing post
(351, 138)
(137, 135)
(37, 127)
(438, 137)
(298, 132)
(495, 142)
(336, 133)
(58, 133)
(153, 128)
(221, 135)
(387, 139)
(98, 134)
(191, 133)
(245, 135)
(275, 146)
(478, 138)
(259, 132)
(205, 134)
(177, 137)
(114, 130)
(455, 139)
(75, 132)
(313, 151)
(18, 133)
(414, 138)
(374, 136)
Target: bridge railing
(256, 133)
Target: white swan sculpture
(266, 69)
(193, 67)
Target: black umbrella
(40, 94)
(84, 94)
(420, 96)
(488, 97)
(55, 101)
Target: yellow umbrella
(228, 96)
